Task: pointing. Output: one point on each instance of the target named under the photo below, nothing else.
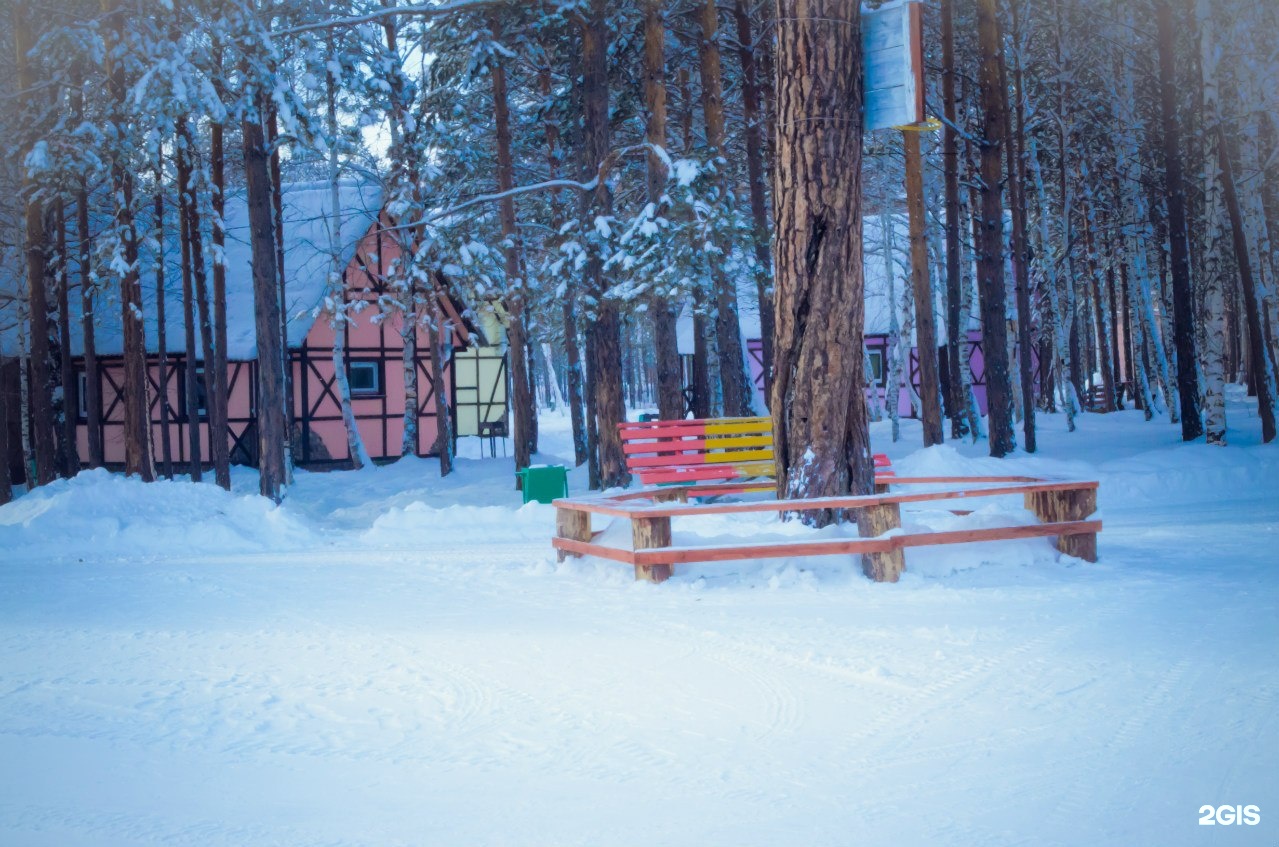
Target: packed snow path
(389, 660)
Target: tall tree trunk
(922, 286)
(277, 217)
(190, 397)
(439, 336)
(955, 348)
(734, 381)
(161, 330)
(820, 431)
(67, 376)
(356, 451)
(1014, 149)
(753, 117)
(523, 403)
(6, 477)
(219, 448)
(1183, 300)
(137, 440)
(670, 399)
(990, 264)
(1259, 364)
(92, 379)
(266, 303)
(204, 320)
(606, 364)
(36, 248)
(568, 308)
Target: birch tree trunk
(1183, 302)
(338, 307)
(219, 448)
(820, 431)
(1212, 280)
(161, 340)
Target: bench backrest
(692, 450)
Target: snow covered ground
(392, 659)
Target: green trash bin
(543, 483)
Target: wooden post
(873, 521)
(1074, 505)
(676, 494)
(648, 533)
(574, 524)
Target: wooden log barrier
(574, 524)
(1074, 504)
(648, 533)
(872, 521)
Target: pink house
(373, 349)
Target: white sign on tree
(893, 57)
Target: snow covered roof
(306, 264)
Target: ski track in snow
(398, 661)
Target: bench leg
(648, 533)
(873, 521)
(571, 523)
(1075, 505)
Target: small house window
(876, 358)
(82, 393)
(201, 396)
(365, 379)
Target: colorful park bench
(704, 451)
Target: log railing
(1066, 508)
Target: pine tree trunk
(820, 431)
(572, 348)
(733, 380)
(137, 440)
(753, 118)
(92, 379)
(441, 351)
(35, 247)
(955, 329)
(189, 395)
(161, 339)
(277, 218)
(69, 453)
(922, 286)
(606, 364)
(523, 403)
(1183, 301)
(266, 303)
(990, 264)
(6, 476)
(670, 400)
(1014, 149)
